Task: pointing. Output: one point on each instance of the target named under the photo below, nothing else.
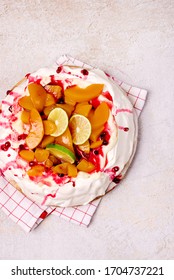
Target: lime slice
(61, 152)
(60, 118)
(80, 128)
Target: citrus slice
(60, 118)
(80, 128)
(61, 152)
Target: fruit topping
(25, 117)
(36, 130)
(65, 129)
(72, 170)
(36, 170)
(41, 154)
(85, 147)
(96, 133)
(48, 163)
(67, 108)
(80, 128)
(50, 100)
(54, 159)
(101, 115)
(96, 144)
(84, 72)
(61, 153)
(47, 139)
(49, 127)
(83, 109)
(78, 94)
(60, 118)
(6, 146)
(48, 109)
(26, 103)
(55, 90)
(27, 155)
(38, 96)
(65, 140)
(85, 166)
(61, 168)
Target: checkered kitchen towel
(28, 214)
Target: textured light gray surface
(133, 40)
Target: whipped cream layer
(112, 163)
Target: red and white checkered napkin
(28, 214)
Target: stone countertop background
(133, 40)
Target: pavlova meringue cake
(67, 135)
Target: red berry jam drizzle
(48, 195)
(123, 128)
(10, 165)
(95, 159)
(107, 95)
(56, 82)
(27, 75)
(95, 102)
(4, 102)
(32, 79)
(4, 125)
(6, 143)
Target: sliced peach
(65, 140)
(67, 107)
(69, 100)
(96, 144)
(49, 127)
(54, 160)
(25, 117)
(101, 115)
(41, 154)
(84, 103)
(61, 168)
(26, 103)
(55, 90)
(72, 170)
(50, 100)
(36, 130)
(90, 115)
(85, 166)
(78, 94)
(48, 109)
(48, 163)
(38, 95)
(27, 155)
(83, 109)
(36, 170)
(47, 139)
(95, 133)
(85, 147)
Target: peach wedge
(36, 132)
(38, 95)
(101, 115)
(78, 94)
